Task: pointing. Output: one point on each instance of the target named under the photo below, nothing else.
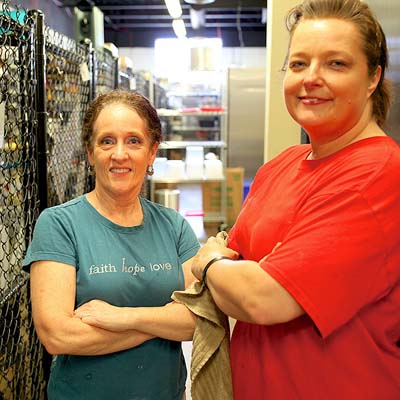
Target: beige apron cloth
(210, 367)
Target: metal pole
(116, 76)
(41, 111)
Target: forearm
(244, 291)
(69, 335)
(172, 321)
(233, 285)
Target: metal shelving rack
(213, 137)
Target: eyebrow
(327, 53)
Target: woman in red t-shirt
(312, 270)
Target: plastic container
(168, 198)
(194, 169)
(194, 154)
(160, 167)
(213, 169)
(175, 169)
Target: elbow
(188, 331)
(259, 318)
(51, 345)
(256, 313)
(264, 313)
(51, 340)
(188, 334)
(52, 350)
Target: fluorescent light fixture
(174, 8)
(179, 28)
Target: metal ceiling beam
(115, 17)
(152, 25)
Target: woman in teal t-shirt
(104, 265)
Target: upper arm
(275, 304)
(53, 288)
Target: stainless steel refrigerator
(246, 119)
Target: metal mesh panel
(21, 373)
(124, 79)
(67, 96)
(105, 71)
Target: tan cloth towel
(210, 367)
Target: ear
(374, 80)
(153, 152)
(89, 153)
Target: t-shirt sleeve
(52, 240)
(188, 244)
(332, 260)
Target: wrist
(209, 264)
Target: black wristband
(211, 262)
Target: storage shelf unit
(176, 144)
(203, 126)
(186, 180)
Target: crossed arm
(97, 327)
(242, 289)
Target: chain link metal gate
(21, 374)
(67, 98)
(46, 83)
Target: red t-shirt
(337, 220)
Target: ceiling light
(199, 2)
(197, 18)
(174, 8)
(179, 28)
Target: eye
(337, 63)
(297, 64)
(134, 140)
(106, 140)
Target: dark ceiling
(137, 23)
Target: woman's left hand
(102, 315)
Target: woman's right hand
(214, 247)
(103, 315)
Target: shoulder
(157, 208)
(159, 212)
(289, 159)
(169, 223)
(70, 205)
(292, 154)
(371, 162)
(70, 210)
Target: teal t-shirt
(125, 266)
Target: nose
(313, 76)
(119, 152)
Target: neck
(124, 212)
(323, 148)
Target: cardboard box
(234, 195)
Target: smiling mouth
(312, 100)
(119, 170)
